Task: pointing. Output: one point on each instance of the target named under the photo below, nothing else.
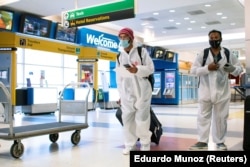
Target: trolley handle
(74, 84)
(6, 92)
(10, 111)
(78, 84)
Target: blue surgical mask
(124, 43)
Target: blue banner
(97, 39)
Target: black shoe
(199, 146)
(221, 146)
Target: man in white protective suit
(135, 91)
(214, 91)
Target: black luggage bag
(246, 132)
(155, 125)
(118, 115)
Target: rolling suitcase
(246, 132)
(155, 128)
(118, 115)
(155, 125)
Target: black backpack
(151, 76)
(206, 51)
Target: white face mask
(124, 43)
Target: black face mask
(215, 43)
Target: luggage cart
(242, 90)
(20, 132)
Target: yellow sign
(7, 39)
(10, 41)
(101, 54)
(47, 45)
(50, 45)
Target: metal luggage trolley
(52, 128)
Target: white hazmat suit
(214, 96)
(135, 94)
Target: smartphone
(126, 65)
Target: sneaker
(221, 146)
(145, 147)
(127, 150)
(199, 146)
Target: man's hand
(213, 66)
(132, 69)
(229, 67)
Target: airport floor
(101, 143)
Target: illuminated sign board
(97, 14)
(97, 39)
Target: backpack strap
(227, 53)
(139, 49)
(150, 78)
(117, 57)
(206, 51)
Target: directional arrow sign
(101, 13)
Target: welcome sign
(97, 39)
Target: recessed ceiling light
(219, 13)
(203, 27)
(177, 23)
(232, 24)
(224, 17)
(186, 18)
(207, 5)
(148, 26)
(156, 13)
(189, 29)
(5, 2)
(192, 21)
(144, 24)
(171, 20)
(172, 11)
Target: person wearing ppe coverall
(214, 92)
(135, 91)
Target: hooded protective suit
(135, 94)
(214, 95)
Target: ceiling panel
(158, 27)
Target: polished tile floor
(101, 143)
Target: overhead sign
(97, 14)
(92, 38)
(8, 49)
(40, 44)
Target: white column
(247, 43)
(247, 31)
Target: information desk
(37, 100)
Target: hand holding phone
(126, 65)
(229, 67)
